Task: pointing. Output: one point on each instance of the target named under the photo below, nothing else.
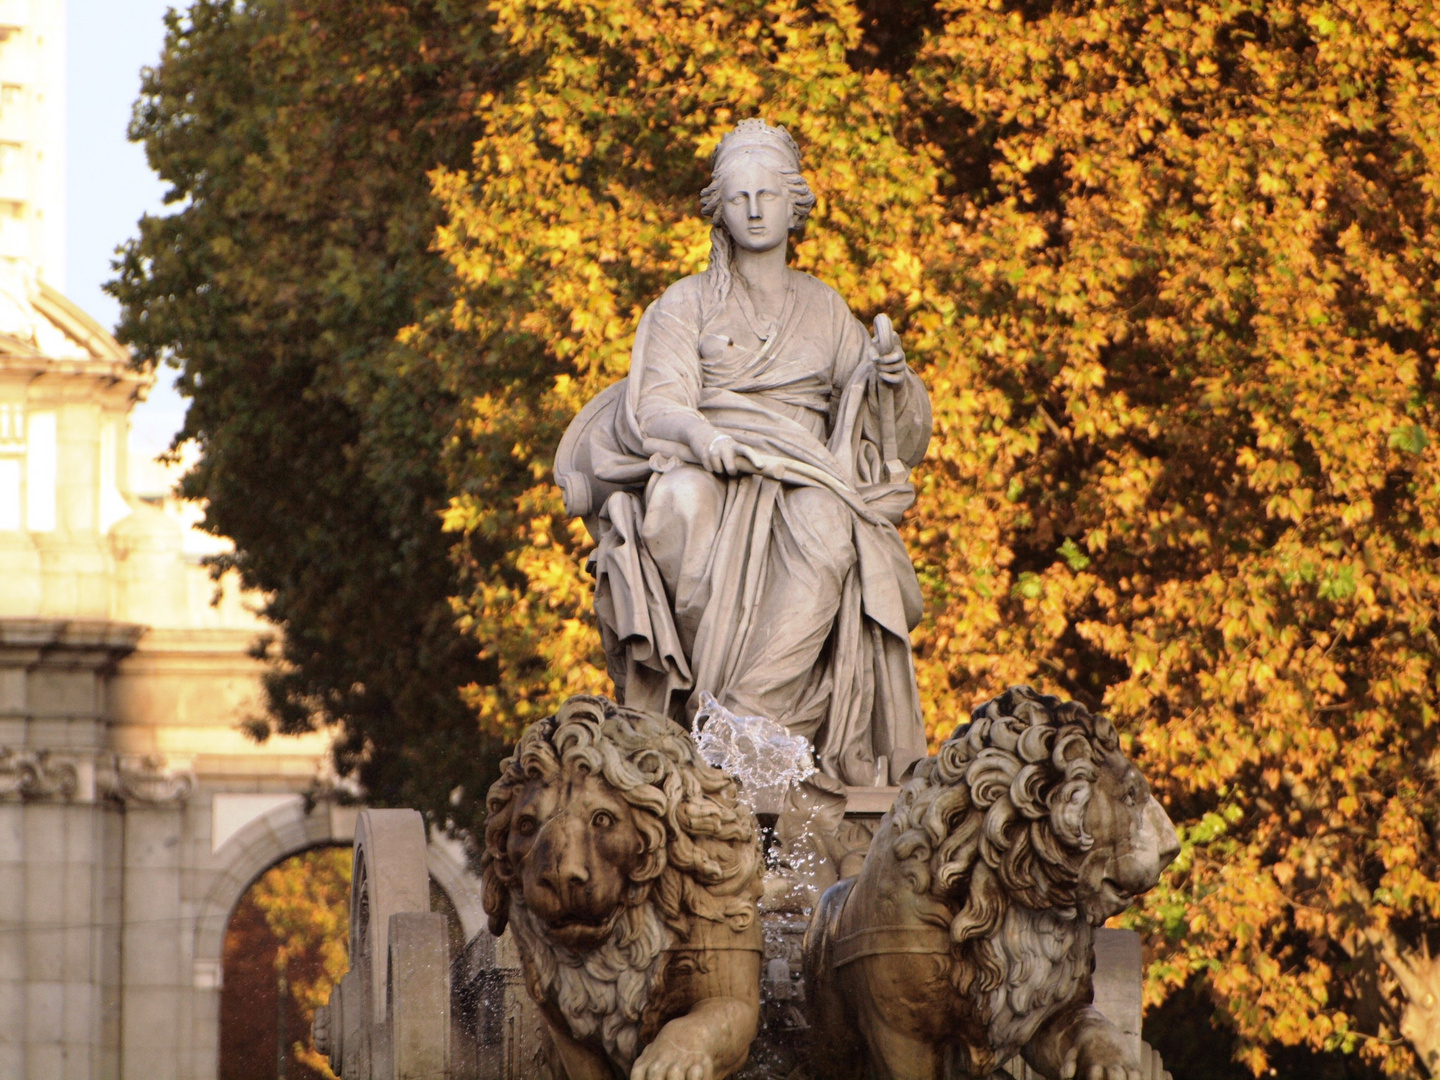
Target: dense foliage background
(1168, 268)
(296, 139)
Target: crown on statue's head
(755, 135)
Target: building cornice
(52, 637)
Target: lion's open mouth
(576, 929)
(581, 922)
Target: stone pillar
(155, 968)
(52, 903)
(59, 882)
(1119, 981)
(95, 980)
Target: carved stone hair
(773, 145)
(700, 854)
(993, 829)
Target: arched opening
(275, 835)
(285, 946)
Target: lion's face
(1134, 840)
(606, 836)
(1040, 808)
(1029, 826)
(574, 844)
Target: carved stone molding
(52, 776)
(37, 774)
(148, 779)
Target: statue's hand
(891, 366)
(885, 348)
(715, 451)
(662, 1061)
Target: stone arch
(272, 837)
(288, 830)
(275, 835)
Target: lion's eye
(603, 819)
(1132, 796)
(525, 826)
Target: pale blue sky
(109, 184)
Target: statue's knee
(681, 498)
(828, 520)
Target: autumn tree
(295, 139)
(306, 904)
(285, 948)
(1167, 268)
(1200, 268)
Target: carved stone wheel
(389, 1017)
(389, 877)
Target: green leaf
(1073, 556)
(1028, 585)
(1337, 583)
(1408, 437)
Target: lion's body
(629, 874)
(968, 935)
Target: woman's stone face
(755, 205)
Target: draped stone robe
(787, 593)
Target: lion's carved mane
(700, 864)
(992, 829)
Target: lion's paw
(660, 1062)
(1152, 1067)
(1101, 1053)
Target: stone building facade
(134, 812)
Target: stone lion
(967, 937)
(629, 876)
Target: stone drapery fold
(799, 603)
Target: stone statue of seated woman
(743, 484)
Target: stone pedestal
(499, 1035)
(1119, 975)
